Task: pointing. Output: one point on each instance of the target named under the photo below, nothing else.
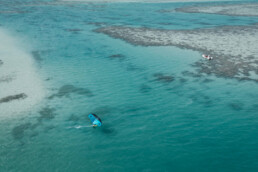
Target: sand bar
(234, 47)
(20, 86)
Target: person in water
(207, 57)
(96, 121)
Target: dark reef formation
(233, 47)
(13, 97)
(67, 90)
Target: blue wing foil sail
(95, 119)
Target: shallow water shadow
(47, 114)
(131, 67)
(236, 106)
(99, 24)
(206, 101)
(75, 31)
(191, 74)
(117, 56)
(13, 97)
(18, 131)
(145, 88)
(106, 129)
(36, 55)
(182, 80)
(34, 134)
(66, 90)
(14, 12)
(163, 78)
(74, 118)
(166, 23)
(48, 128)
(206, 80)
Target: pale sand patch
(20, 86)
(234, 47)
(234, 10)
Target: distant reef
(249, 9)
(234, 48)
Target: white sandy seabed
(18, 76)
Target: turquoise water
(188, 124)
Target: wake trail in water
(79, 126)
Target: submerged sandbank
(234, 47)
(20, 86)
(250, 9)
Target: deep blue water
(148, 124)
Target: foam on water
(18, 76)
(80, 126)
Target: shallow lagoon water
(155, 118)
